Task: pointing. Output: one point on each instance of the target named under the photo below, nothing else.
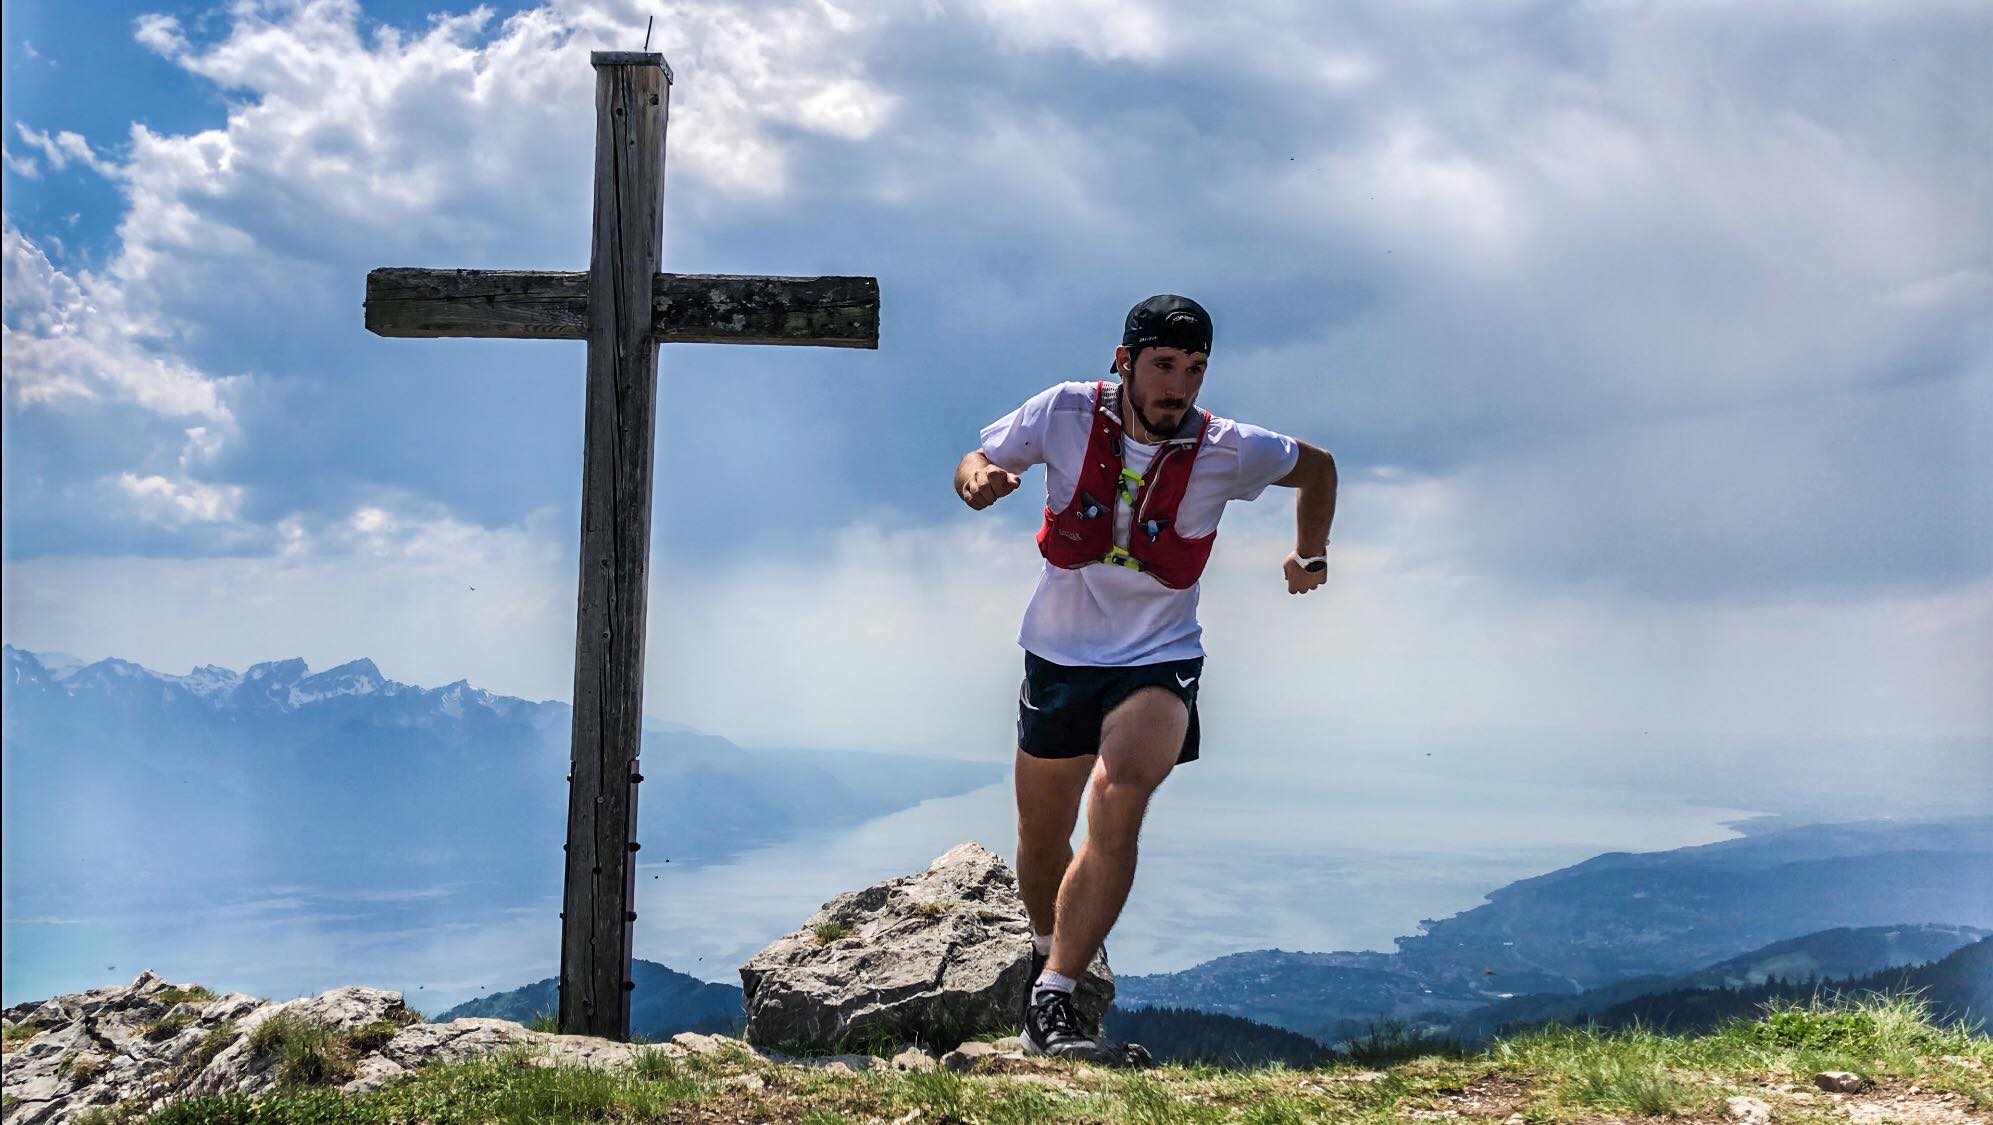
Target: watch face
(1318, 564)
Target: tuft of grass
(168, 1025)
(306, 1051)
(932, 909)
(1625, 1070)
(80, 1068)
(827, 932)
(941, 1094)
(546, 1019)
(1867, 1024)
(1387, 1041)
(213, 1043)
(129, 1111)
(17, 1034)
(372, 1037)
(196, 994)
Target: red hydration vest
(1083, 533)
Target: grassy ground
(1919, 1073)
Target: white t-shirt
(1110, 615)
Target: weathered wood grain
(632, 101)
(686, 308)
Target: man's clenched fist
(1300, 579)
(985, 484)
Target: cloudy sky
(1652, 342)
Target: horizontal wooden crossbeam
(686, 308)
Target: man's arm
(980, 483)
(1314, 473)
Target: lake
(1232, 859)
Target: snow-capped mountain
(279, 685)
(123, 781)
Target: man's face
(1165, 385)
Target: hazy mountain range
(132, 786)
(1611, 918)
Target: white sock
(1052, 980)
(1042, 943)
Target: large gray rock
(932, 958)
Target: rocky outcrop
(932, 958)
(148, 1043)
(141, 1046)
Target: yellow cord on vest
(1127, 476)
(1119, 556)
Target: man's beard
(1135, 406)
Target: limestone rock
(701, 1044)
(372, 1074)
(1749, 1110)
(913, 1059)
(935, 957)
(240, 1068)
(1840, 1082)
(148, 1043)
(963, 1059)
(844, 1064)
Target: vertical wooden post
(632, 101)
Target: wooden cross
(624, 308)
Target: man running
(1136, 477)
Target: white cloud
(64, 148)
(181, 500)
(1101, 29)
(71, 338)
(23, 166)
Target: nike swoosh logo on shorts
(1181, 682)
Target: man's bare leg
(1048, 806)
(1139, 743)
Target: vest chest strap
(1130, 485)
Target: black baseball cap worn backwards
(1168, 321)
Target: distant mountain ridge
(663, 1003)
(1608, 919)
(1957, 989)
(1843, 953)
(126, 785)
(274, 686)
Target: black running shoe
(1052, 1027)
(1031, 984)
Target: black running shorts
(1060, 706)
